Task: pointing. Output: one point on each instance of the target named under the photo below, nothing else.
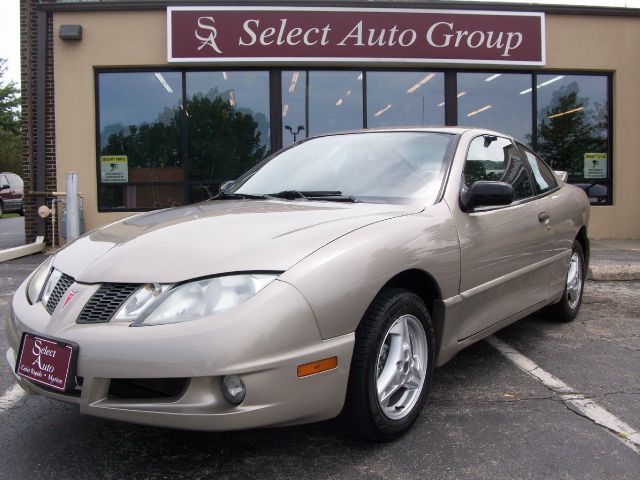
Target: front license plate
(47, 361)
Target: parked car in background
(330, 279)
(11, 193)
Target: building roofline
(457, 5)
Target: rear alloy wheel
(569, 305)
(392, 366)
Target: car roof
(458, 130)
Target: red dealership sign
(314, 34)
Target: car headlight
(38, 280)
(194, 300)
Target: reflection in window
(294, 123)
(392, 167)
(405, 98)
(496, 159)
(227, 123)
(131, 197)
(140, 123)
(335, 101)
(542, 175)
(495, 101)
(573, 126)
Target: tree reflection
(222, 140)
(569, 128)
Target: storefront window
(499, 101)
(405, 98)
(335, 101)
(573, 130)
(172, 137)
(227, 126)
(140, 138)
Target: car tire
(394, 352)
(567, 308)
(1, 210)
(21, 211)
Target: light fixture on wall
(70, 32)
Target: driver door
(500, 246)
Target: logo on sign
(206, 23)
(70, 296)
(39, 351)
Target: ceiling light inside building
(543, 84)
(574, 110)
(164, 83)
(421, 83)
(380, 112)
(480, 110)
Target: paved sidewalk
(11, 232)
(615, 260)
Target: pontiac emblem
(70, 296)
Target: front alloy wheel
(401, 369)
(392, 366)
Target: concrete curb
(22, 250)
(602, 273)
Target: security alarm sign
(595, 165)
(114, 169)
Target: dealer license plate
(47, 361)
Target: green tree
(9, 123)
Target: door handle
(543, 217)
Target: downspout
(41, 78)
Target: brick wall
(29, 59)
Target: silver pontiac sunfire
(328, 280)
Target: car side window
(4, 182)
(543, 177)
(497, 159)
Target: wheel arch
(426, 287)
(583, 239)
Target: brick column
(29, 49)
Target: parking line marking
(573, 399)
(10, 397)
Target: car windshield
(389, 167)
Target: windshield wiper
(328, 195)
(238, 196)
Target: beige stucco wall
(139, 38)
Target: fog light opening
(233, 389)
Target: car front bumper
(263, 341)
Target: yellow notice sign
(114, 168)
(595, 165)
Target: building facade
(155, 104)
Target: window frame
(523, 151)
(463, 183)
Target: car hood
(215, 237)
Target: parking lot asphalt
(485, 418)
(11, 231)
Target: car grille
(64, 282)
(106, 302)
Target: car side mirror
(225, 185)
(484, 193)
